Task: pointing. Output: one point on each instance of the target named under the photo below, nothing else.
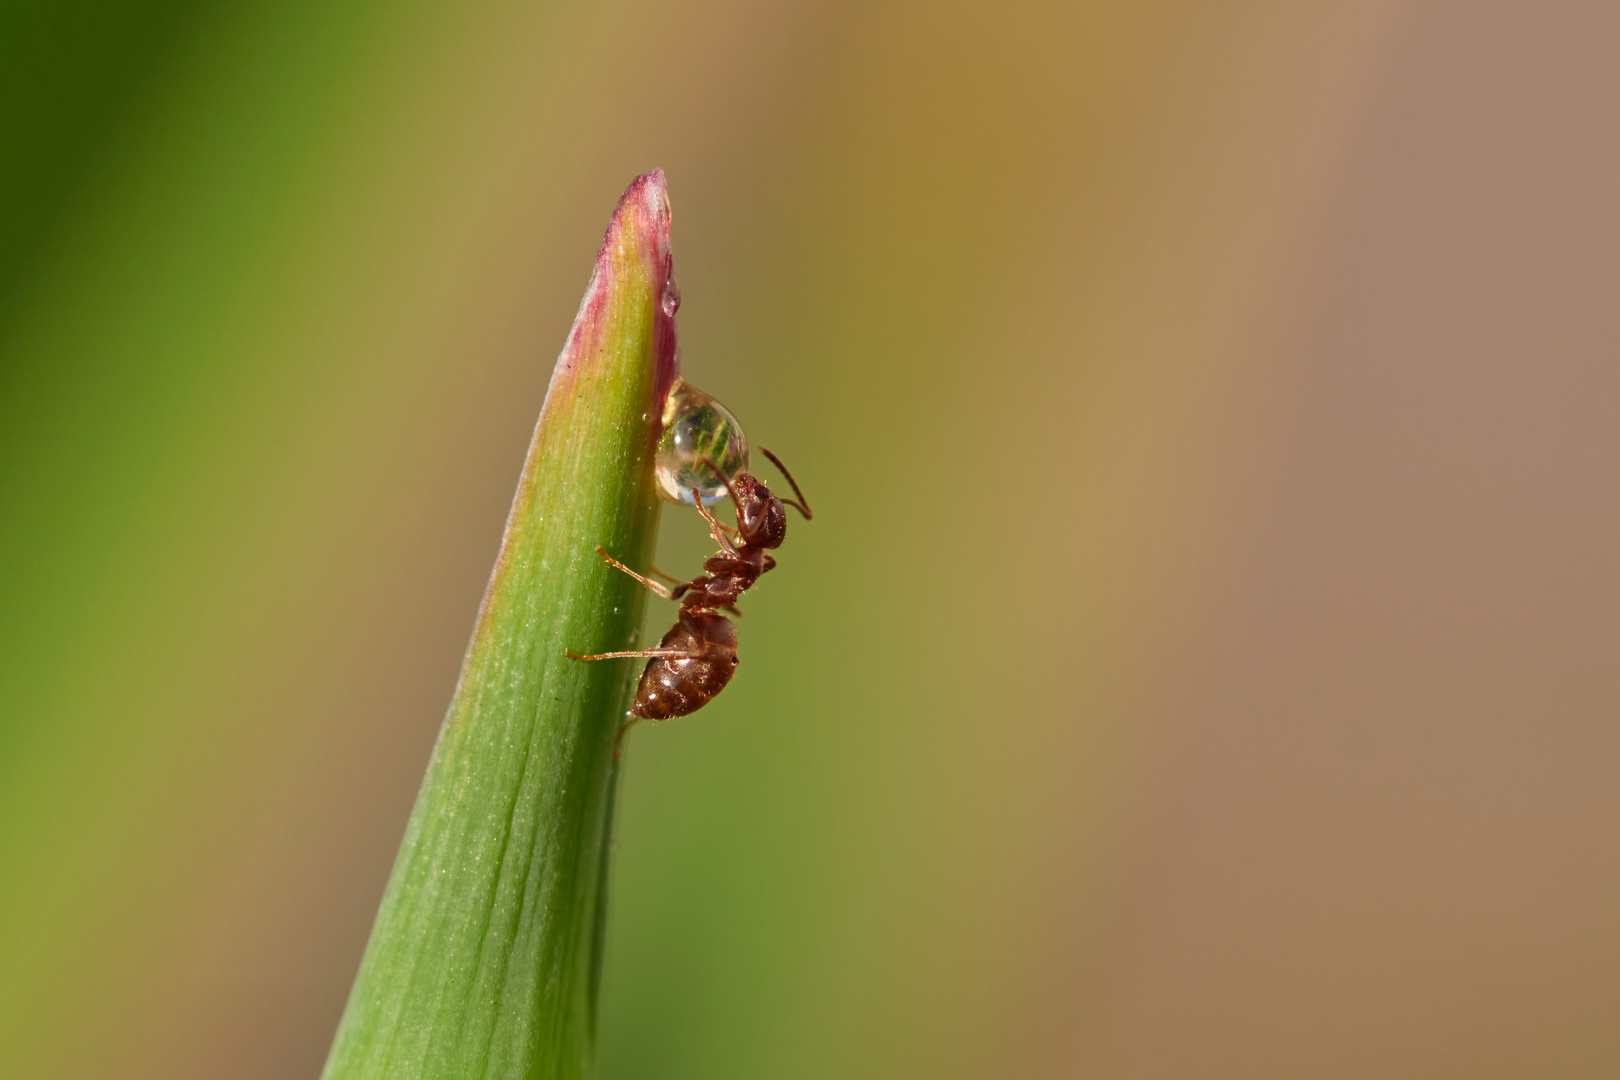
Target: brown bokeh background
(1204, 658)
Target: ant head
(761, 517)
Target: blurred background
(1205, 660)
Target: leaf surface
(483, 961)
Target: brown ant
(698, 656)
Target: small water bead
(697, 427)
(671, 300)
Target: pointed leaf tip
(634, 277)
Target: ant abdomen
(675, 686)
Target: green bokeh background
(1201, 662)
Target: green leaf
(484, 958)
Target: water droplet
(671, 298)
(697, 427)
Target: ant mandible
(698, 656)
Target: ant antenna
(803, 505)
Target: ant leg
(670, 654)
(735, 501)
(667, 577)
(693, 627)
(649, 582)
(720, 538)
(618, 740)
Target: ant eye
(698, 430)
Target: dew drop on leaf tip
(697, 427)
